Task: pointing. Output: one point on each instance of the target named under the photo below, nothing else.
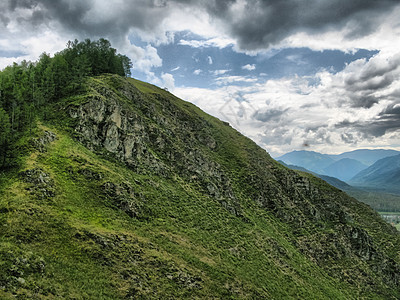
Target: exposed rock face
(151, 134)
(41, 183)
(106, 124)
(126, 199)
(41, 143)
(159, 141)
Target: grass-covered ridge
(173, 203)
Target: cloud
(328, 111)
(263, 24)
(168, 81)
(358, 105)
(251, 25)
(269, 115)
(197, 72)
(248, 26)
(219, 72)
(146, 58)
(249, 67)
(210, 60)
(234, 79)
(214, 42)
(387, 121)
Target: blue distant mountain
(366, 156)
(345, 169)
(342, 166)
(313, 161)
(383, 174)
(331, 180)
(379, 198)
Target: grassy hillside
(129, 192)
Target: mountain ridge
(343, 166)
(128, 188)
(344, 169)
(384, 174)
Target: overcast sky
(291, 74)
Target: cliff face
(171, 202)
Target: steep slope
(344, 169)
(366, 156)
(384, 174)
(132, 193)
(313, 161)
(331, 180)
(378, 200)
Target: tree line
(26, 88)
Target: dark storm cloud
(69, 14)
(386, 121)
(365, 100)
(77, 16)
(376, 75)
(348, 138)
(257, 24)
(363, 86)
(317, 135)
(389, 118)
(262, 23)
(391, 111)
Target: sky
(311, 75)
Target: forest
(26, 88)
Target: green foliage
(27, 89)
(380, 201)
(95, 57)
(4, 135)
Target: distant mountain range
(329, 179)
(343, 166)
(366, 156)
(313, 161)
(383, 174)
(382, 195)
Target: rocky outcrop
(41, 184)
(152, 139)
(125, 198)
(42, 142)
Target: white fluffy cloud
(357, 107)
(249, 67)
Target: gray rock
(42, 142)
(41, 184)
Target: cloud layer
(357, 107)
(255, 24)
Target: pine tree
(4, 136)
